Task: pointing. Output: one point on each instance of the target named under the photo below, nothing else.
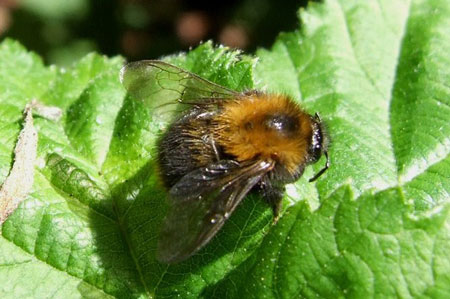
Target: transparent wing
(159, 84)
(201, 202)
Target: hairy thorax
(264, 126)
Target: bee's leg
(276, 202)
(213, 145)
(209, 140)
(273, 195)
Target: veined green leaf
(376, 224)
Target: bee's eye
(316, 146)
(281, 123)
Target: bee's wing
(159, 84)
(201, 202)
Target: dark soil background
(63, 31)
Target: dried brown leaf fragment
(19, 182)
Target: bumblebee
(222, 145)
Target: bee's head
(319, 145)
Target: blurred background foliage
(62, 31)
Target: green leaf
(376, 224)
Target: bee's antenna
(327, 165)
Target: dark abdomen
(185, 146)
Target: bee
(222, 145)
